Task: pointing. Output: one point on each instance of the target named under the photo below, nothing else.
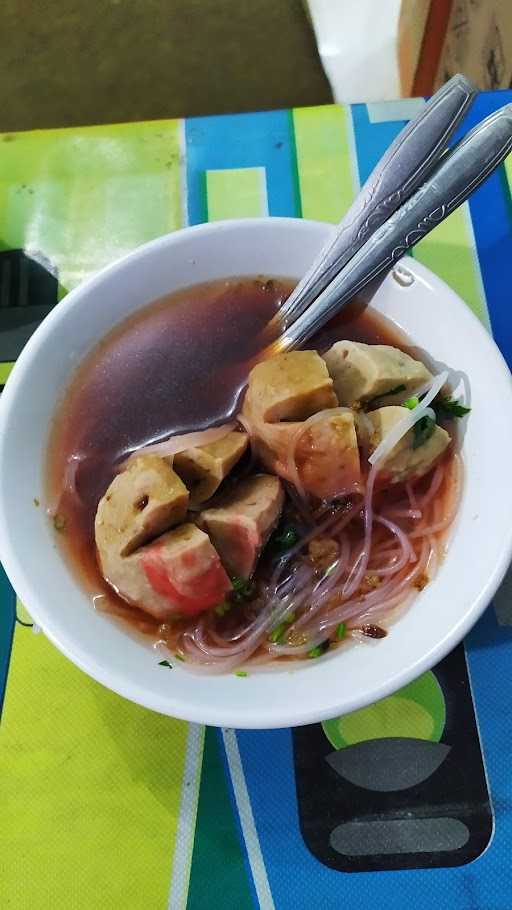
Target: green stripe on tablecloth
(91, 790)
(8, 618)
(236, 193)
(22, 613)
(450, 252)
(325, 161)
(91, 784)
(218, 875)
(83, 197)
(5, 369)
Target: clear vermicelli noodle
(402, 558)
(313, 519)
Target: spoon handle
(404, 167)
(460, 173)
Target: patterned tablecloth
(106, 805)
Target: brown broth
(152, 376)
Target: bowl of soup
(330, 541)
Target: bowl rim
(219, 714)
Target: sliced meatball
(326, 454)
(271, 443)
(327, 457)
(178, 574)
(240, 527)
(364, 372)
(404, 462)
(141, 502)
(282, 392)
(290, 387)
(204, 468)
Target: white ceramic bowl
(480, 550)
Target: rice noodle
(406, 551)
(380, 564)
(415, 514)
(336, 521)
(383, 449)
(437, 479)
(360, 565)
(180, 443)
(70, 472)
(68, 482)
(441, 523)
(409, 419)
(325, 588)
(389, 544)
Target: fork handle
(460, 173)
(404, 167)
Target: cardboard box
(414, 16)
(478, 43)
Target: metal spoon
(461, 171)
(408, 162)
(343, 271)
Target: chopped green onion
(287, 539)
(241, 673)
(340, 631)
(422, 431)
(319, 649)
(222, 608)
(179, 657)
(243, 589)
(165, 663)
(411, 403)
(449, 407)
(276, 634)
(238, 584)
(315, 652)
